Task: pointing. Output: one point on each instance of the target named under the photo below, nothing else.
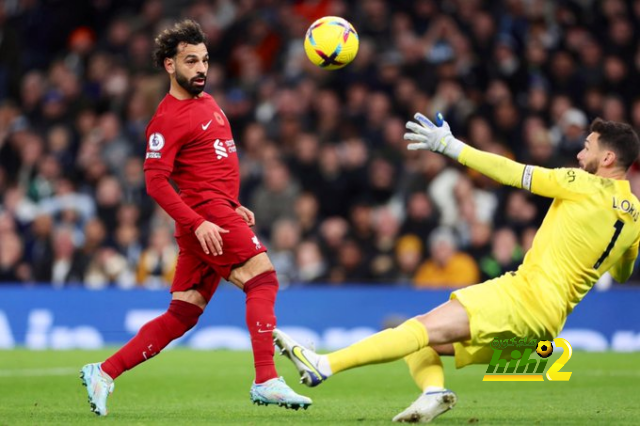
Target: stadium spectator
(157, 263)
(39, 249)
(505, 255)
(285, 238)
(446, 265)
(62, 257)
(408, 256)
(310, 263)
(108, 268)
(12, 268)
(306, 214)
(275, 198)
(421, 216)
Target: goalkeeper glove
(429, 136)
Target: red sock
(261, 293)
(153, 337)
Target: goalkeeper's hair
(620, 138)
(166, 44)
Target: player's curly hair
(620, 138)
(166, 44)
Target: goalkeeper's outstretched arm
(552, 183)
(427, 135)
(497, 167)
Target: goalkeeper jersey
(591, 225)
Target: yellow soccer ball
(331, 43)
(544, 348)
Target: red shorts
(202, 272)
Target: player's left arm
(427, 135)
(546, 182)
(622, 270)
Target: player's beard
(189, 85)
(591, 166)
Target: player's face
(191, 65)
(591, 154)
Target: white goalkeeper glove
(429, 136)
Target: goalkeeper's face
(191, 65)
(591, 154)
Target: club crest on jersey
(255, 241)
(156, 142)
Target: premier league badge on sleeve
(156, 142)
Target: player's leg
(445, 324)
(183, 314)
(184, 310)
(488, 310)
(425, 366)
(426, 370)
(259, 282)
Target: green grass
(183, 387)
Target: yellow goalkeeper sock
(387, 345)
(426, 369)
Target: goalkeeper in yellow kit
(591, 227)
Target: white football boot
(276, 391)
(428, 406)
(99, 386)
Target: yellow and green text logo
(525, 360)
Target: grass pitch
(184, 387)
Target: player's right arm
(553, 183)
(623, 269)
(162, 149)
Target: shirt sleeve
(564, 183)
(497, 167)
(159, 189)
(164, 140)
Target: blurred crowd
(337, 197)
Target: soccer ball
(331, 43)
(544, 348)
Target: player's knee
(187, 313)
(251, 269)
(265, 281)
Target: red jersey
(190, 141)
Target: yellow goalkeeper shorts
(504, 307)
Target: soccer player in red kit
(189, 141)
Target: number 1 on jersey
(618, 225)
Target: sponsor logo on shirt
(221, 151)
(223, 148)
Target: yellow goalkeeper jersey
(591, 225)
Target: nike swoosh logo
(205, 127)
(264, 331)
(297, 352)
